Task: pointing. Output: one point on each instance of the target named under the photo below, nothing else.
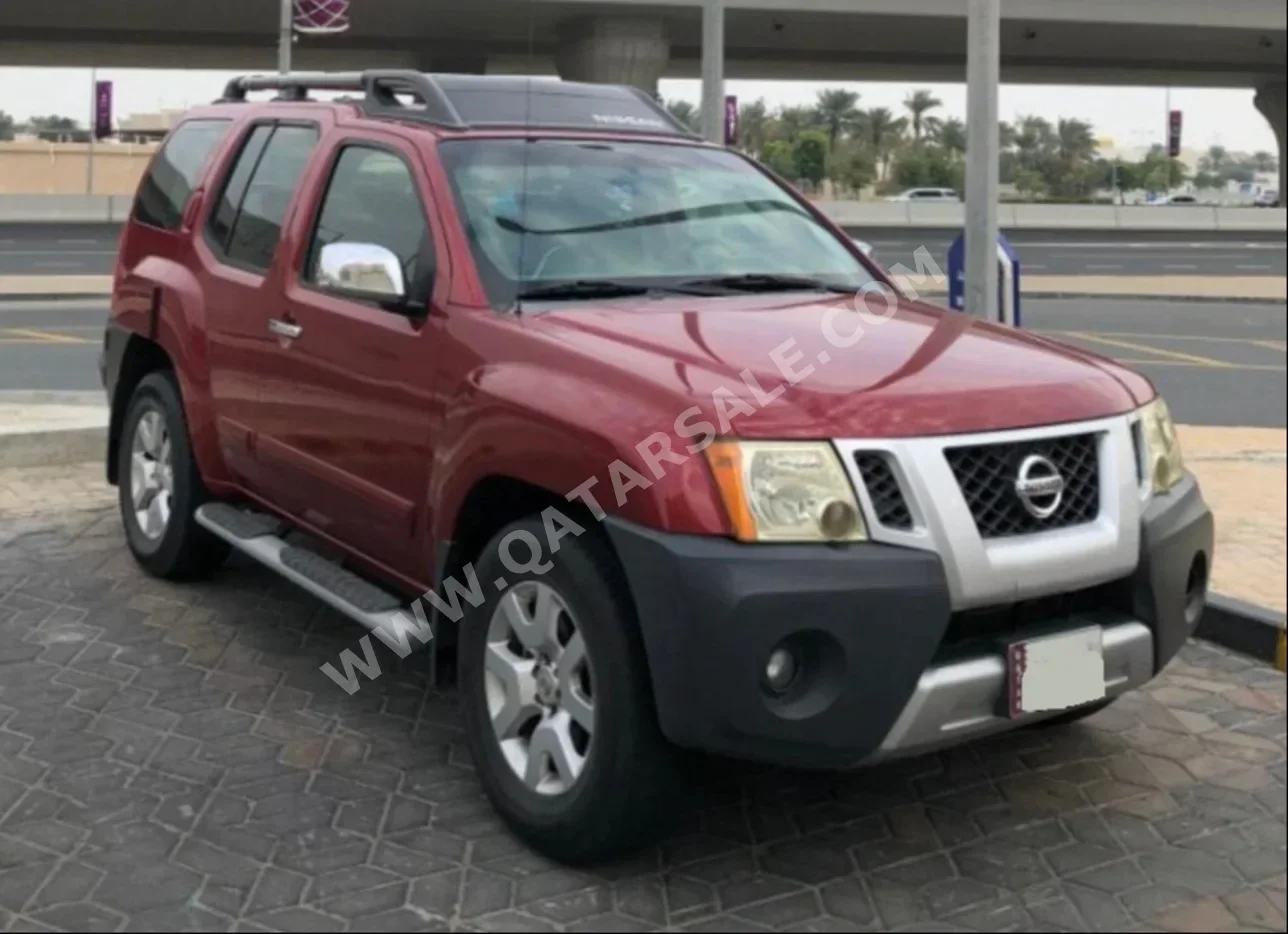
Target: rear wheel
(159, 486)
(558, 709)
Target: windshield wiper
(766, 282)
(583, 288)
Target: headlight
(1163, 462)
(786, 491)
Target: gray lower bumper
(967, 699)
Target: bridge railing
(112, 209)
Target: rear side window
(224, 215)
(372, 198)
(247, 222)
(173, 174)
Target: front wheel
(557, 703)
(160, 487)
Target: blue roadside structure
(1008, 271)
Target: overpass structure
(1232, 43)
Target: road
(1104, 253)
(88, 249)
(1217, 363)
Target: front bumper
(886, 671)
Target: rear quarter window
(174, 171)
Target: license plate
(1056, 672)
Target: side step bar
(258, 536)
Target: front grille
(987, 474)
(883, 489)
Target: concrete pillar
(614, 50)
(713, 68)
(1270, 101)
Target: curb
(53, 296)
(57, 447)
(1243, 627)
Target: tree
(927, 167)
(853, 166)
(951, 135)
(780, 156)
(811, 156)
(1030, 182)
(837, 113)
(1214, 160)
(919, 103)
(7, 126)
(1204, 180)
(1262, 161)
(55, 128)
(881, 131)
(685, 112)
(793, 121)
(753, 125)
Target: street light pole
(713, 94)
(983, 72)
(93, 128)
(286, 11)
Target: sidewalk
(171, 758)
(1243, 475)
(1245, 288)
(1242, 471)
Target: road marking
(1031, 266)
(1277, 345)
(1104, 266)
(56, 264)
(1171, 354)
(80, 242)
(1179, 266)
(1251, 266)
(47, 337)
(1131, 361)
(1281, 346)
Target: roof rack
(380, 87)
(485, 101)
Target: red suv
(633, 429)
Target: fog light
(837, 520)
(780, 670)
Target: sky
(1131, 117)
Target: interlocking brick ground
(171, 758)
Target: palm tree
(837, 113)
(1075, 141)
(1214, 160)
(919, 103)
(1263, 161)
(793, 121)
(685, 112)
(880, 130)
(951, 134)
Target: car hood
(914, 370)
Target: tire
(179, 548)
(1073, 716)
(630, 781)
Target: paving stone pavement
(171, 759)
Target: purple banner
(321, 17)
(102, 109)
(731, 120)
(1174, 133)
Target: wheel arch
(140, 357)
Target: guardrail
(109, 209)
(1061, 216)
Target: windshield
(544, 212)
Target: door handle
(285, 329)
